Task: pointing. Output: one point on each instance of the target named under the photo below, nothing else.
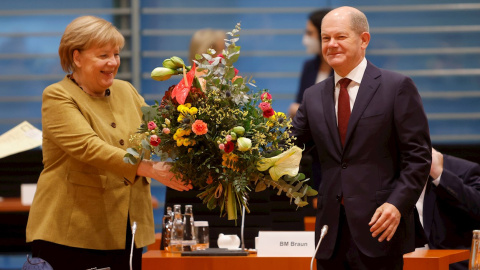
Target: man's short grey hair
(359, 22)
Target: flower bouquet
(221, 137)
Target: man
(451, 205)
(375, 162)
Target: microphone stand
(243, 228)
(134, 228)
(323, 232)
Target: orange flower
(209, 180)
(199, 127)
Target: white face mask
(312, 44)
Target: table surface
(420, 259)
(13, 205)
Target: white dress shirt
(356, 76)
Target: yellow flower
(280, 165)
(188, 105)
(180, 142)
(186, 142)
(193, 110)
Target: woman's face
(96, 67)
(311, 39)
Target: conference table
(158, 259)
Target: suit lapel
(368, 87)
(329, 111)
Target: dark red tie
(343, 109)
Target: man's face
(342, 48)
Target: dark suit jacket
(451, 210)
(386, 157)
(307, 79)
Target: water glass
(201, 232)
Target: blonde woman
(87, 198)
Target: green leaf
(311, 192)
(149, 113)
(230, 74)
(132, 151)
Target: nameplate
(286, 244)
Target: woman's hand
(160, 171)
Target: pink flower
(265, 106)
(154, 140)
(268, 113)
(199, 127)
(229, 147)
(228, 138)
(221, 146)
(266, 96)
(152, 125)
(166, 130)
(221, 56)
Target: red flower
(221, 56)
(265, 106)
(236, 71)
(152, 125)
(154, 140)
(199, 127)
(266, 96)
(268, 113)
(181, 90)
(209, 180)
(229, 146)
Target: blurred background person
(449, 206)
(204, 39)
(316, 69)
(87, 197)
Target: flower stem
(231, 209)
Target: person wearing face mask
(314, 70)
(87, 197)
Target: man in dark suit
(451, 204)
(372, 137)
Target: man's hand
(385, 221)
(437, 164)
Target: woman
(204, 39)
(316, 69)
(87, 198)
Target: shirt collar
(356, 74)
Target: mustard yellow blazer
(86, 192)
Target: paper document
(20, 138)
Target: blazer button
(125, 182)
(121, 142)
(344, 165)
(114, 125)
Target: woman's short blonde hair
(83, 33)
(204, 39)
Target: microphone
(323, 232)
(134, 229)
